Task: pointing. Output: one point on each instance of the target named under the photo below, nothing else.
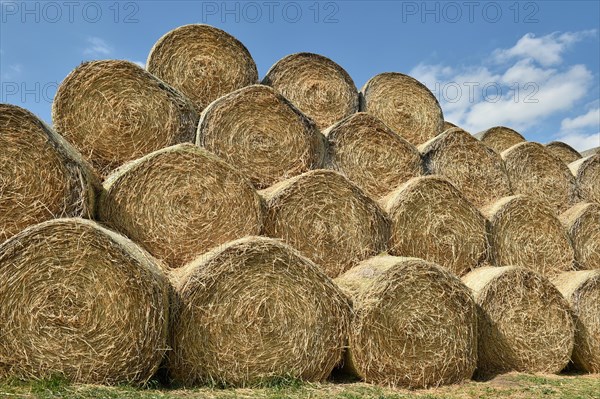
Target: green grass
(512, 386)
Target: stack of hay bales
(83, 301)
(563, 151)
(41, 176)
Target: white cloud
(97, 47)
(580, 141)
(591, 118)
(547, 50)
(13, 71)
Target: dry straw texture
(563, 151)
(415, 324)
(587, 175)
(404, 104)
(114, 111)
(253, 310)
(261, 134)
(179, 202)
(589, 152)
(80, 301)
(476, 170)
(582, 222)
(448, 125)
(431, 219)
(327, 218)
(370, 154)
(203, 62)
(582, 290)
(526, 232)
(534, 171)
(319, 87)
(41, 176)
(524, 324)
(500, 138)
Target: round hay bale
(404, 104)
(500, 138)
(203, 62)
(587, 175)
(319, 87)
(179, 202)
(589, 152)
(114, 111)
(582, 222)
(526, 232)
(563, 151)
(327, 218)
(524, 322)
(41, 176)
(431, 219)
(476, 170)
(80, 301)
(534, 171)
(582, 290)
(448, 125)
(252, 310)
(415, 324)
(370, 154)
(261, 134)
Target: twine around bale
(582, 290)
(587, 177)
(582, 222)
(113, 111)
(41, 176)
(261, 134)
(81, 302)
(526, 232)
(319, 87)
(327, 218)
(415, 324)
(404, 104)
(371, 155)
(476, 170)
(563, 151)
(524, 322)
(535, 172)
(179, 202)
(203, 62)
(500, 138)
(431, 219)
(252, 311)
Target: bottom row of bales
(81, 301)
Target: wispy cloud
(97, 47)
(12, 71)
(139, 63)
(583, 131)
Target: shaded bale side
(404, 104)
(535, 172)
(203, 62)
(114, 111)
(415, 324)
(41, 176)
(327, 218)
(582, 222)
(563, 151)
(582, 290)
(476, 170)
(82, 302)
(371, 155)
(590, 151)
(431, 219)
(500, 138)
(319, 87)
(179, 202)
(255, 310)
(587, 175)
(261, 134)
(526, 232)
(524, 322)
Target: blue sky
(531, 65)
